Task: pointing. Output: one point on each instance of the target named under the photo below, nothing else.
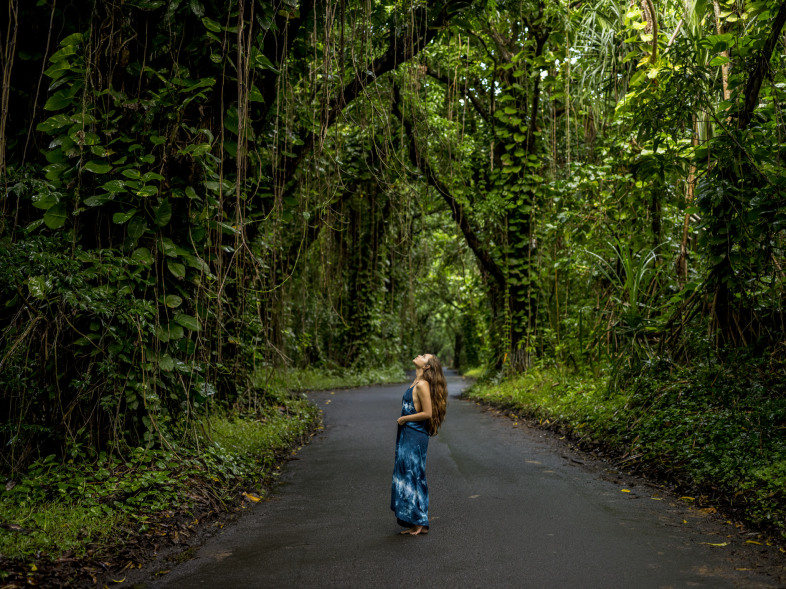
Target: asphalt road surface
(509, 507)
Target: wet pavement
(509, 507)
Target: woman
(422, 412)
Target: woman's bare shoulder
(423, 386)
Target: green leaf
(136, 228)
(166, 363)
(38, 286)
(719, 60)
(168, 247)
(163, 213)
(255, 95)
(147, 191)
(173, 301)
(120, 218)
(62, 98)
(114, 186)
(45, 201)
(265, 63)
(175, 331)
(53, 171)
(177, 269)
(58, 69)
(72, 39)
(143, 256)
(211, 25)
(97, 167)
(97, 200)
(53, 123)
(56, 216)
(151, 176)
(189, 322)
(162, 333)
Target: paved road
(508, 509)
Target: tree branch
(401, 49)
(456, 208)
(760, 69)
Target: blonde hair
(433, 375)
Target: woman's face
(422, 360)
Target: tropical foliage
(197, 194)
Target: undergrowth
(79, 506)
(717, 428)
(87, 504)
(315, 379)
(474, 372)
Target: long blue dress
(409, 492)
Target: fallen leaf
(251, 497)
(625, 490)
(657, 498)
(685, 521)
(688, 498)
(474, 496)
(753, 542)
(328, 401)
(119, 580)
(718, 544)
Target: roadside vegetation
(714, 432)
(69, 520)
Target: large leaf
(121, 218)
(163, 213)
(173, 301)
(177, 269)
(143, 256)
(56, 216)
(97, 167)
(136, 228)
(188, 321)
(62, 98)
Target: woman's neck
(418, 374)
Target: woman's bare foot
(415, 531)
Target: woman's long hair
(433, 375)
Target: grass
(474, 372)
(716, 429)
(55, 528)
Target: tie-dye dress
(409, 493)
